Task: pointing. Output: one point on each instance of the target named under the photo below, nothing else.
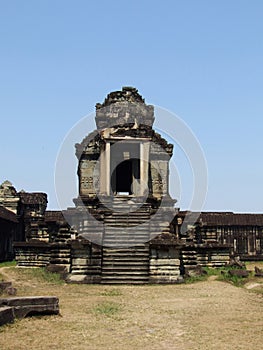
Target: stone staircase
(125, 249)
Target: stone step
(124, 224)
(120, 223)
(131, 251)
(112, 245)
(128, 265)
(135, 275)
(122, 213)
(127, 217)
(114, 260)
(121, 277)
(108, 270)
(128, 236)
(126, 229)
(125, 263)
(119, 245)
(122, 243)
(125, 281)
(128, 240)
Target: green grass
(42, 275)
(207, 272)
(235, 280)
(8, 263)
(107, 309)
(112, 293)
(212, 271)
(194, 279)
(222, 275)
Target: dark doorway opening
(124, 175)
(125, 168)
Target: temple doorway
(125, 169)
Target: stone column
(107, 167)
(105, 170)
(144, 165)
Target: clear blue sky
(201, 59)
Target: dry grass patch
(204, 315)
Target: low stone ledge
(31, 244)
(165, 279)
(83, 279)
(28, 306)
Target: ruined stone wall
(35, 254)
(205, 255)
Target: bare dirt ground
(204, 315)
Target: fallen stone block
(239, 273)
(11, 291)
(4, 286)
(6, 315)
(258, 272)
(28, 306)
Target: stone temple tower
(124, 227)
(124, 201)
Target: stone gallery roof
(227, 219)
(231, 219)
(7, 215)
(33, 197)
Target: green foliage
(107, 308)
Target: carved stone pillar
(144, 166)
